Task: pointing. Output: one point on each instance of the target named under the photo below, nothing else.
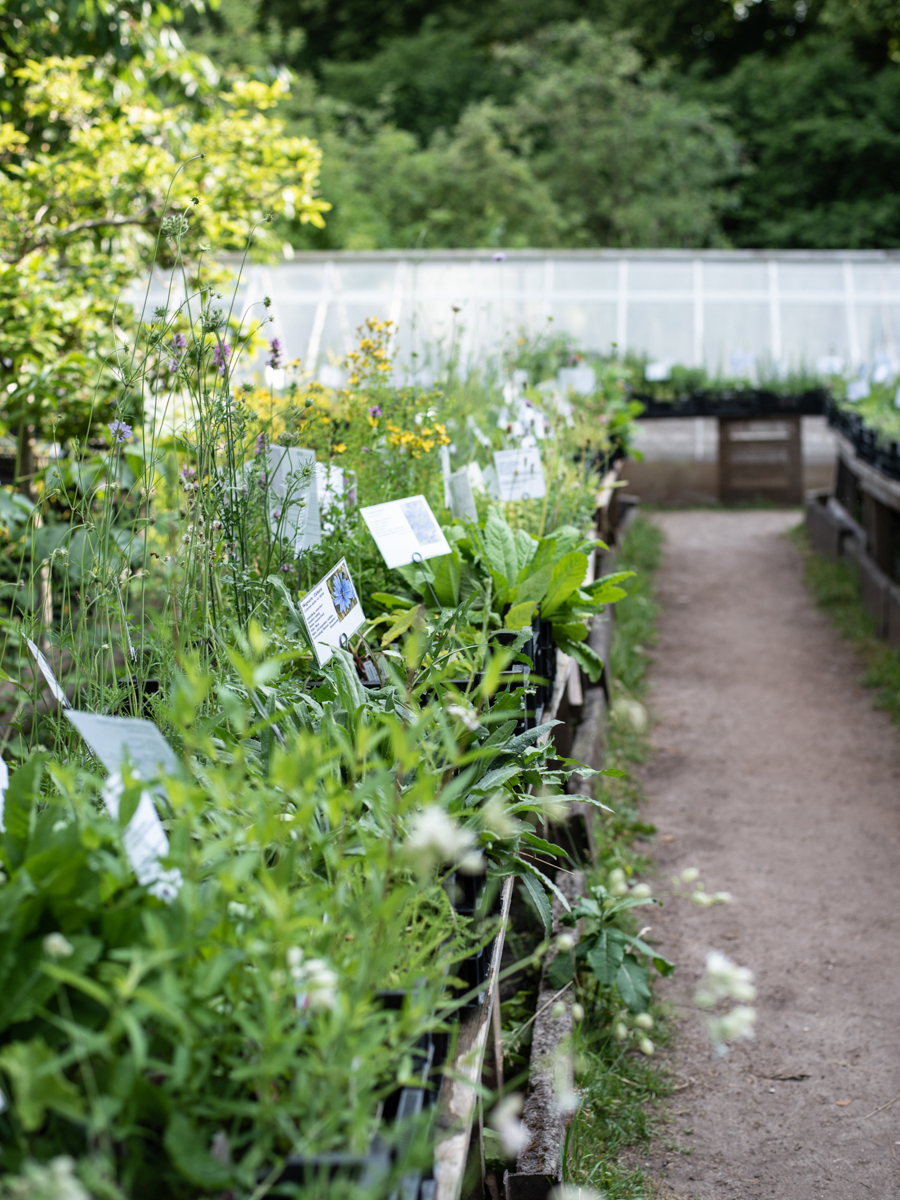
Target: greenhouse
(450, 600)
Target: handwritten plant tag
(404, 528)
(47, 671)
(520, 475)
(331, 610)
(462, 498)
(117, 740)
(294, 498)
(145, 842)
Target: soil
(773, 775)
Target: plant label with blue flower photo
(331, 610)
(404, 528)
(520, 475)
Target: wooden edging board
(870, 478)
(459, 1088)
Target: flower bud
(642, 891)
(645, 1046)
(558, 1010)
(689, 874)
(565, 942)
(644, 1021)
(620, 1031)
(577, 1012)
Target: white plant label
(404, 528)
(117, 740)
(47, 672)
(331, 611)
(145, 842)
(444, 453)
(462, 498)
(520, 475)
(294, 502)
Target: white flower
(515, 1136)
(436, 838)
(565, 1096)
(468, 716)
(733, 1026)
(724, 980)
(569, 1191)
(565, 942)
(644, 1021)
(618, 885)
(701, 899)
(55, 1180)
(57, 946)
(496, 817)
(472, 863)
(315, 981)
(642, 891)
(689, 874)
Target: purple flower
(277, 514)
(286, 567)
(262, 481)
(342, 593)
(177, 348)
(375, 411)
(499, 257)
(119, 431)
(188, 473)
(221, 355)
(277, 350)
(261, 444)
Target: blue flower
(343, 593)
(120, 431)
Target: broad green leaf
(402, 622)
(520, 615)
(390, 600)
(631, 981)
(568, 575)
(18, 807)
(605, 956)
(561, 971)
(533, 584)
(38, 1084)
(589, 660)
(526, 546)
(540, 901)
(500, 546)
(447, 575)
(189, 1152)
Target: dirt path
(774, 776)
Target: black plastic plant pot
(473, 970)
(138, 700)
(365, 1170)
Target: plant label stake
(47, 672)
(417, 559)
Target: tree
(97, 173)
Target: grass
(619, 1087)
(835, 587)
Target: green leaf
(389, 600)
(38, 1084)
(561, 971)
(589, 660)
(631, 980)
(500, 545)
(605, 956)
(188, 1150)
(18, 807)
(568, 575)
(447, 574)
(526, 546)
(402, 623)
(533, 584)
(539, 898)
(519, 616)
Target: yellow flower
(340, 448)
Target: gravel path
(774, 776)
